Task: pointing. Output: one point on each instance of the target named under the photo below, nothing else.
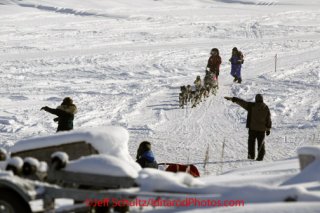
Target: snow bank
(310, 150)
(157, 180)
(104, 165)
(308, 174)
(263, 193)
(283, 207)
(265, 173)
(310, 165)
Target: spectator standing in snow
(145, 156)
(65, 113)
(258, 122)
(236, 62)
(214, 62)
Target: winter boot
(235, 79)
(239, 80)
(250, 157)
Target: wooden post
(275, 62)
(222, 155)
(206, 157)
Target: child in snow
(145, 156)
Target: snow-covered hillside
(124, 61)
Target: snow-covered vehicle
(103, 151)
(107, 174)
(75, 143)
(17, 193)
(86, 181)
(78, 161)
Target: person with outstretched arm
(258, 122)
(65, 113)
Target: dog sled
(211, 82)
(202, 89)
(175, 167)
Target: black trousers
(253, 135)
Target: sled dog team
(210, 81)
(258, 118)
(201, 91)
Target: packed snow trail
(123, 64)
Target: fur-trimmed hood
(72, 109)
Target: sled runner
(188, 168)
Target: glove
(268, 132)
(43, 108)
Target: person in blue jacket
(236, 62)
(145, 156)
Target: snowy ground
(123, 63)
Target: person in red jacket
(214, 62)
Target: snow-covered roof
(111, 140)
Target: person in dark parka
(145, 156)
(258, 122)
(65, 113)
